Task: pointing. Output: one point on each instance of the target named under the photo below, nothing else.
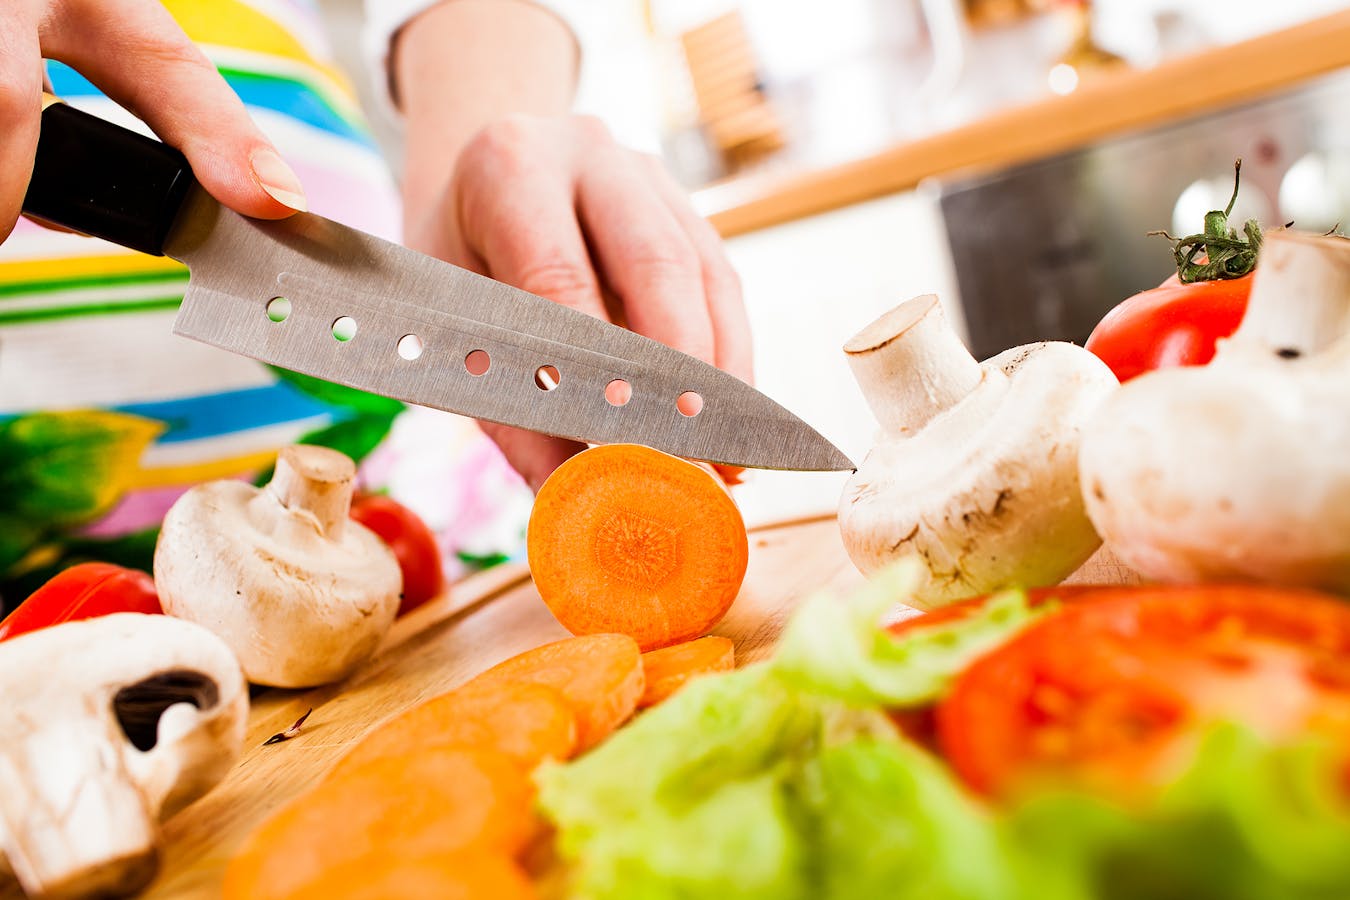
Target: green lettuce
(837, 649)
(786, 780)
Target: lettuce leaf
(1248, 821)
(890, 822)
(786, 780)
(838, 649)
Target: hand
(554, 206)
(135, 52)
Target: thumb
(144, 61)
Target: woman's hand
(549, 202)
(135, 53)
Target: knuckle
(505, 145)
(592, 129)
(559, 279)
(667, 261)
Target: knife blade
(314, 296)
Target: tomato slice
(413, 544)
(84, 591)
(1116, 692)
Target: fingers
(516, 215)
(135, 52)
(644, 253)
(20, 112)
(721, 285)
(515, 212)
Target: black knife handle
(99, 178)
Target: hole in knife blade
(618, 392)
(690, 404)
(477, 362)
(278, 309)
(546, 378)
(344, 329)
(410, 347)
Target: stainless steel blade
(328, 271)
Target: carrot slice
(528, 722)
(598, 675)
(438, 801)
(669, 668)
(627, 539)
(390, 875)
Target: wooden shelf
(1128, 101)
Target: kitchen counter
(1113, 105)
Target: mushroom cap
(987, 493)
(298, 607)
(1231, 471)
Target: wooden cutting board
(482, 621)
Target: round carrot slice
(668, 669)
(1116, 691)
(528, 722)
(390, 875)
(628, 539)
(440, 801)
(598, 675)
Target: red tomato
(1115, 693)
(412, 542)
(1174, 324)
(84, 591)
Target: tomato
(1115, 693)
(84, 591)
(1174, 324)
(412, 542)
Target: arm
(499, 178)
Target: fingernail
(278, 179)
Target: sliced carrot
(668, 669)
(627, 539)
(390, 875)
(439, 801)
(599, 676)
(528, 722)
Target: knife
(311, 295)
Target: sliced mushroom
(300, 592)
(109, 726)
(976, 467)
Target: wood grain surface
(1133, 99)
(482, 621)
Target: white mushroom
(976, 467)
(300, 592)
(1240, 469)
(109, 726)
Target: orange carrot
(668, 669)
(598, 675)
(528, 722)
(628, 539)
(435, 802)
(391, 875)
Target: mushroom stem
(1300, 301)
(911, 365)
(318, 481)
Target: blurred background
(1007, 155)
